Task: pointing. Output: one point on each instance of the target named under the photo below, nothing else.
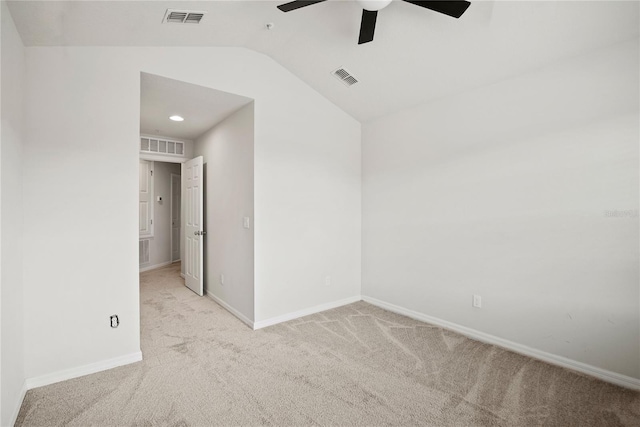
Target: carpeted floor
(355, 365)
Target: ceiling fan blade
(367, 26)
(288, 7)
(453, 8)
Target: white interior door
(146, 198)
(194, 234)
(175, 217)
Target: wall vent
(183, 16)
(344, 76)
(161, 146)
(145, 256)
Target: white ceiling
(416, 56)
(201, 107)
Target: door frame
(150, 202)
(171, 176)
(169, 159)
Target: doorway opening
(196, 188)
(160, 210)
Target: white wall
(83, 110)
(503, 192)
(227, 150)
(160, 243)
(307, 206)
(11, 292)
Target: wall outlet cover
(477, 301)
(114, 321)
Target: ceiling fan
(454, 8)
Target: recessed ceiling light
(176, 118)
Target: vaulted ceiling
(416, 56)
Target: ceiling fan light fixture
(370, 8)
(374, 5)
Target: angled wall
(524, 192)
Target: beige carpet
(355, 365)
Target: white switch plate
(327, 281)
(245, 222)
(222, 279)
(477, 301)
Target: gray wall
(228, 163)
(11, 298)
(507, 192)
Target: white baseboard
(307, 311)
(182, 275)
(603, 374)
(81, 371)
(231, 310)
(16, 410)
(153, 267)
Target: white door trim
(146, 197)
(171, 219)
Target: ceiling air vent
(183, 16)
(344, 76)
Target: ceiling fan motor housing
(374, 5)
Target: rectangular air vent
(161, 146)
(183, 16)
(145, 256)
(344, 76)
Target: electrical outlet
(477, 301)
(114, 321)
(327, 280)
(222, 279)
(245, 222)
